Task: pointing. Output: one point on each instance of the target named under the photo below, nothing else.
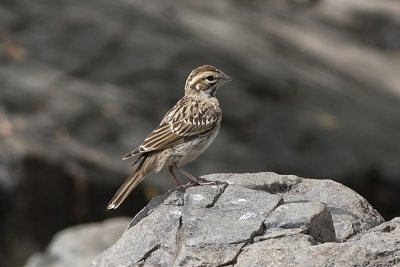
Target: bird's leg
(188, 175)
(171, 171)
(197, 181)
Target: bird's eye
(210, 78)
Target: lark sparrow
(184, 133)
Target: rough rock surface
(76, 246)
(260, 219)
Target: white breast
(188, 151)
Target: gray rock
(350, 212)
(77, 245)
(372, 248)
(158, 230)
(236, 217)
(261, 219)
(313, 216)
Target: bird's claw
(200, 182)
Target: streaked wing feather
(184, 120)
(159, 139)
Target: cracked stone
(242, 209)
(285, 221)
(255, 254)
(209, 256)
(351, 213)
(158, 258)
(372, 248)
(158, 228)
(279, 232)
(204, 196)
(265, 181)
(175, 198)
(150, 207)
(313, 216)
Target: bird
(184, 133)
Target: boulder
(77, 245)
(259, 219)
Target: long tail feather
(137, 160)
(144, 168)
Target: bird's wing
(189, 117)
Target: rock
(314, 217)
(379, 246)
(350, 212)
(77, 245)
(260, 219)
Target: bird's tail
(145, 167)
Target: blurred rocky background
(316, 94)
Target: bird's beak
(226, 78)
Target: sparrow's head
(205, 80)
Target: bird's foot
(189, 184)
(200, 182)
(203, 181)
